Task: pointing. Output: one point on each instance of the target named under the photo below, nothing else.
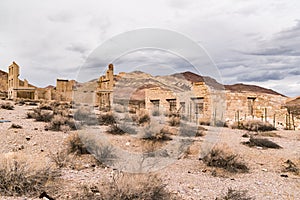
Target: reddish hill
(250, 88)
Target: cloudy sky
(253, 42)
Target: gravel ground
(188, 177)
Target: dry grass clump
(7, 106)
(289, 166)
(40, 115)
(144, 119)
(254, 125)
(75, 145)
(174, 121)
(107, 119)
(156, 133)
(18, 179)
(115, 130)
(15, 126)
(61, 123)
(128, 187)
(235, 195)
(261, 142)
(224, 159)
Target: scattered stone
(27, 138)
(284, 175)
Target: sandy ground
(188, 177)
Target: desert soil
(188, 177)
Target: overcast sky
(253, 42)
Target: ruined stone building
(105, 89)
(15, 88)
(204, 100)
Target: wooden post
(238, 118)
(265, 114)
(274, 120)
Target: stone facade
(16, 87)
(105, 89)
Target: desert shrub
(16, 126)
(17, 179)
(45, 106)
(174, 121)
(75, 145)
(204, 122)
(269, 134)
(40, 115)
(225, 160)
(105, 154)
(144, 119)
(245, 135)
(289, 166)
(254, 125)
(107, 119)
(7, 106)
(156, 134)
(155, 112)
(187, 130)
(262, 142)
(81, 114)
(235, 195)
(136, 187)
(61, 158)
(58, 122)
(128, 128)
(115, 129)
(220, 123)
(127, 187)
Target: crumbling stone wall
(257, 106)
(105, 89)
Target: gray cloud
(261, 76)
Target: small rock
(284, 175)
(35, 129)
(127, 143)
(28, 138)
(265, 170)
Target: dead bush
(115, 130)
(106, 119)
(253, 125)
(174, 121)
(105, 154)
(235, 195)
(135, 186)
(75, 145)
(155, 112)
(61, 123)
(62, 158)
(44, 106)
(40, 115)
(16, 126)
(18, 179)
(156, 134)
(225, 160)
(289, 166)
(144, 119)
(262, 142)
(7, 106)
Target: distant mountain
(250, 88)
